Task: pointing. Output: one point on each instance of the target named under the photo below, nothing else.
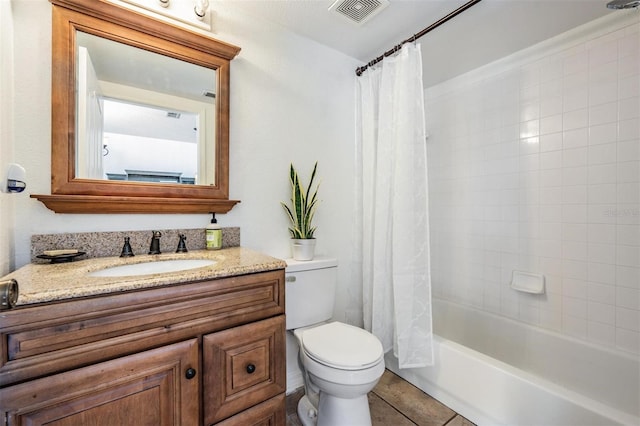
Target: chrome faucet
(155, 243)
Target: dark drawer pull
(251, 368)
(190, 373)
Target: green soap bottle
(213, 234)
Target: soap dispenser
(213, 234)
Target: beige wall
(6, 135)
(291, 100)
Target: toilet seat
(342, 346)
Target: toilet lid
(342, 346)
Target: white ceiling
(487, 31)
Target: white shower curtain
(392, 220)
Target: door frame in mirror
(100, 17)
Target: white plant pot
(303, 249)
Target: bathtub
(494, 371)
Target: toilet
(340, 363)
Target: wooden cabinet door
(156, 387)
(243, 366)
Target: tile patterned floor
(396, 402)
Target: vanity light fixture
(201, 8)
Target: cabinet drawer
(243, 366)
(269, 413)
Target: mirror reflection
(139, 118)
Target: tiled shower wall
(534, 166)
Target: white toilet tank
(310, 291)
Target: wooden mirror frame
(102, 18)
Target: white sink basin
(155, 267)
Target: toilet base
(307, 413)
(334, 411)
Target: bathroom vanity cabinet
(207, 352)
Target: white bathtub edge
(444, 390)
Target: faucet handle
(126, 249)
(182, 246)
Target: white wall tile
(602, 92)
(605, 113)
(574, 326)
(628, 298)
(602, 173)
(602, 214)
(628, 235)
(628, 276)
(575, 213)
(628, 46)
(551, 105)
(628, 150)
(551, 177)
(628, 108)
(550, 141)
(628, 171)
(602, 154)
(628, 340)
(601, 253)
(629, 129)
(628, 192)
(576, 157)
(574, 175)
(550, 160)
(603, 334)
(629, 87)
(576, 63)
(627, 214)
(602, 194)
(628, 256)
(576, 194)
(603, 53)
(575, 98)
(603, 133)
(551, 124)
(575, 119)
(601, 313)
(601, 293)
(544, 177)
(603, 72)
(601, 233)
(628, 318)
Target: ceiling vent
(358, 11)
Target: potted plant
(303, 207)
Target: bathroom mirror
(113, 70)
(142, 116)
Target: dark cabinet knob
(251, 368)
(190, 373)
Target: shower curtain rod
(416, 36)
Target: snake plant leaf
(303, 204)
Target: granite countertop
(52, 282)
